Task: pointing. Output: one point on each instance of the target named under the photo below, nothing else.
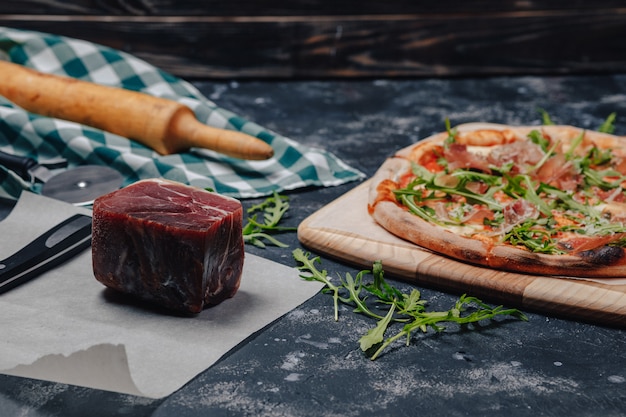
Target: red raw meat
(175, 245)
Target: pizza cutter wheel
(78, 186)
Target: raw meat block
(175, 245)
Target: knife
(29, 169)
(53, 247)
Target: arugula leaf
(354, 288)
(380, 288)
(406, 310)
(569, 202)
(609, 124)
(424, 212)
(376, 335)
(422, 174)
(575, 143)
(423, 321)
(429, 181)
(547, 154)
(273, 210)
(522, 187)
(535, 239)
(596, 158)
(451, 133)
(545, 117)
(308, 265)
(594, 177)
(537, 138)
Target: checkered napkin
(294, 165)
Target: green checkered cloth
(293, 166)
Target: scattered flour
(616, 379)
(307, 339)
(292, 360)
(292, 377)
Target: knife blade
(50, 249)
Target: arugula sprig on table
(407, 310)
(258, 232)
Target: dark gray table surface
(306, 364)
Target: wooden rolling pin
(164, 125)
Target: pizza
(546, 200)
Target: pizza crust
(604, 262)
(412, 228)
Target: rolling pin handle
(188, 132)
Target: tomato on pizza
(547, 200)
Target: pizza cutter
(78, 186)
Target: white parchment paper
(64, 326)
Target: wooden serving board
(344, 230)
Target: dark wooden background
(341, 38)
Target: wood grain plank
(316, 39)
(361, 45)
(294, 7)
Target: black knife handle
(58, 244)
(18, 164)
